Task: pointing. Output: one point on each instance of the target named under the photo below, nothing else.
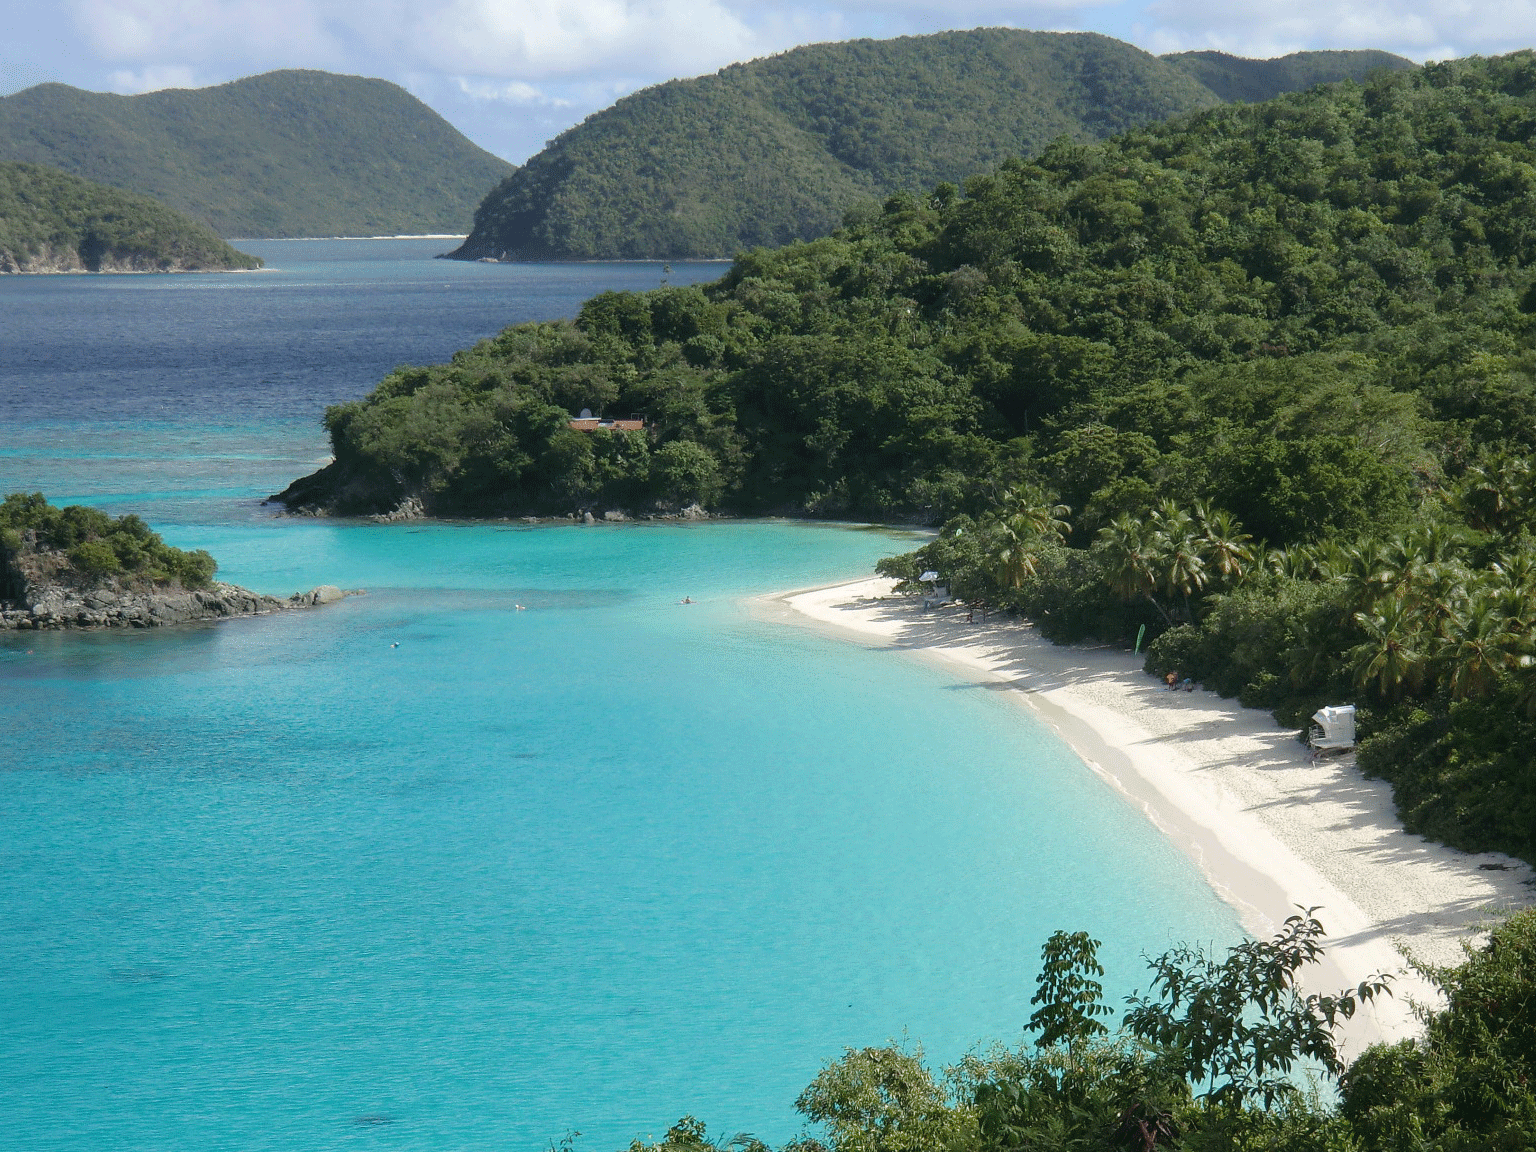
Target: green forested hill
(292, 153)
(1067, 316)
(1237, 78)
(778, 149)
(51, 221)
(1262, 379)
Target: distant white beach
(1270, 830)
(411, 236)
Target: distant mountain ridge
(1238, 78)
(778, 149)
(289, 153)
(51, 221)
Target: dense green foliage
(53, 221)
(779, 149)
(291, 153)
(1469, 1085)
(1207, 1061)
(1262, 379)
(1237, 78)
(96, 545)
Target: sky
(513, 74)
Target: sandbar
(1269, 829)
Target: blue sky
(512, 74)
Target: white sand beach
(1269, 829)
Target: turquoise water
(282, 884)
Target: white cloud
(508, 92)
(169, 33)
(540, 38)
(151, 79)
(508, 39)
(1422, 29)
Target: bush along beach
(1220, 1054)
(1259, 380)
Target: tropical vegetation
(89, 546)
(290, 153)
(53, 222)
(1260, 381)
(778, 149)
(1220, 1054)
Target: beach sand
(1269, 829)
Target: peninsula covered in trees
(289, 153)
(53, 222)
(1260, 379)
(778, 149)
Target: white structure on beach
(1335, 728)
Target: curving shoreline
(1234, 791)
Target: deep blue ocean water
(282, 884)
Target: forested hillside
(292, 153)
(1238, 78)
(53, 222)
(778, 149)
(1117, 374)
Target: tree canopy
(92, 545)
(778, 149)
(51, 221)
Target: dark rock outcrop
(44, 592)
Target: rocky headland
(79, 568)
(109, 605)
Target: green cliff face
(53, 222)
(292, 153)
(780, 149)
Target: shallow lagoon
(590, 865)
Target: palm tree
(1360, 570)
(1293, 562)
(1178, 562)
(1496, 497)
(1478, 647)
(1036, 518)
(1013, 553)
(1044, 514)
(1228, 549)
(1392, 655)
(1129, 558)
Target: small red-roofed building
(587, 422)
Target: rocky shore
(333, 492)
(51, 260)
(110, 606)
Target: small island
(51, 221)
(77, 567)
